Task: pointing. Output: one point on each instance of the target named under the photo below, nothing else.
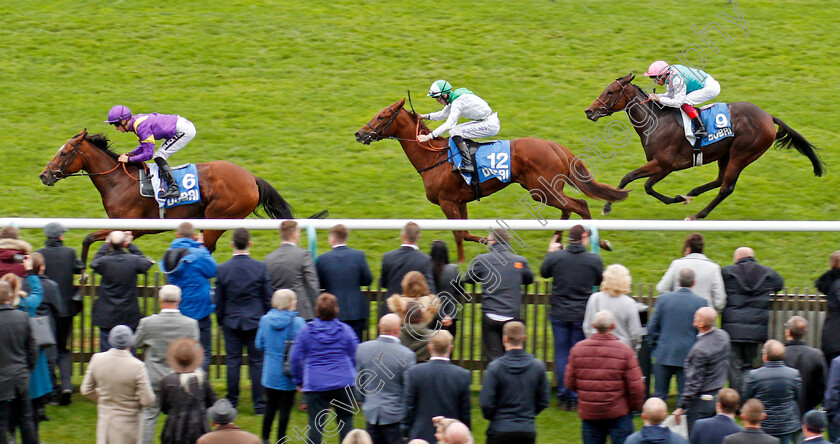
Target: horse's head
(613, 98)
(380, 126)
(66, 161)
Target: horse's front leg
(645, 170)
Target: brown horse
(540, 166)
(227, 189)
(667, 149)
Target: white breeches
(184, 133)
(488, 127)
(708, 92)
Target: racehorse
(540, 166)
(227, 189)
(667, 149)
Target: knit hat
(222, 412)
(121, 337)
(576, 233)
(54, 230)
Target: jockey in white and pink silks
(686, 87)
(176, 130)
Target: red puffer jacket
(606, 375)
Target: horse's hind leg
(653, 180)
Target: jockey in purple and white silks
(176, 132)
(461, 103)
(686, 87)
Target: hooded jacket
(8, 249)
(61, 264)
(829, 285)
(655, 434)
(514, 391)
(575, 273)
(324, 356)
(275, 328)
(191, 275)
(748, 286)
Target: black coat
(575, 273)
(117, 301)
(450, 290)
(397, 263)
(748, 286)
(18, 352)
(811, 365)
(778, 387)
(187, 411)
(343, 272)
(829, 284)
(435, 388)
(61, 264)
(514, 391)
(243, 292)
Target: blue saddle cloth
(492, 161)
(718, 124)
(186, 176)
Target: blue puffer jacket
(275, 328)
(324, 356)
(192, 276)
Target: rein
(608, 108)
(385, 126)
(76, 152)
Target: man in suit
(752, 413)
(397, 263)
(18, 353)
(154, 334)
(713, 430)
(808, 360)
(436, 388)
(381, 365)
(813, 425)
(243, 296)
(671, 334)
(119, 384)
(343, 272)
(292, 267)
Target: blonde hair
(414, 285)
(282, 299)
(357, 436)
(14, 281)
(617, 280)
(834, 259)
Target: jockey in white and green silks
(686, 87)
(461, 103)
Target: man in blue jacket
(189, 265)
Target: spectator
(415, 289)
(397, 263)
(831, 401)
(449, 288)
(514, 392)
(243, 295)
(713, 430)
(436, 388)
(292, 267)
(442, 426)
(381, 364)
(705, 368)
(502, 273)
(813, 426)
(778, 388)
(752, 414)
(12, 250)
(186, 394)
(613, 297)
(654, 412)
(154, 334)
(221, 416)
(280, 325)
(606, 376)
(709, 283)
(415, 332)
(357, 436)
(458, 433)
(343, 272)
(829, 285)
(116, 303)
(575, 274)
(748, 286)
(18, 354)
(323, 365)
(61, 264)
(808, 360)
(119, 384)
(189, 265)
(671, 334)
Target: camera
(18, 258)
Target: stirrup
(701, 133)
(169, 193)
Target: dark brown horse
(540, 166)
(667, 150)
(227, 189)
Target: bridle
(374, 136)
(609, 108)
(59, 169)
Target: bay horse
(667, 150)
(227, 189)
(542, 167)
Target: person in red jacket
(606, 375)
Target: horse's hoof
(605, 245)
(686, 199)
(606, 210)
(690, 218)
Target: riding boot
(699, 129)
(466, 160)
(171, 191)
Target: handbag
(287, 361)
(42, 331)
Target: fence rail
(467, 351)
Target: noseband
(374, 136)
(609, 108)
(59, 170)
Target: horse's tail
(787, 138)
(272, 202)
(582, 179)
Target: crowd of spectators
(303, 319)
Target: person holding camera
(12, 251)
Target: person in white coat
(708, 280)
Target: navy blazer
(243, 292)
(435, 388)
(397, 263)
(670, 332)
(713, 430)
(343, 272)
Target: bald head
(773, 350)
(116, 239)
(742, 252)
(604, 321)
(654, 411)
(458, 433)
(389, 325)
(708, 315)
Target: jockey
(686, 87)
(177, 131)
(458, 103)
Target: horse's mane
(100, 140)
(414, 117)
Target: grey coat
(381, 365)
(292, 267)
(155, 333)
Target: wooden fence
(467, 351)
